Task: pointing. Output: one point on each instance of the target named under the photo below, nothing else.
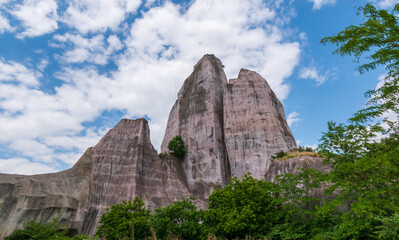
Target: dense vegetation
(361, 196)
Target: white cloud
(23, 166)
(312, 73)
(387, 3)
(38, 17)
(293, 118)
(91, 49)
(15, 72)
(4, 24)
(318, 4)
(98, 15)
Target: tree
(247, 207)
(380, 35)
(176, 146)
(181, 219)
(125, 219)
(365, 169)
(43, 231)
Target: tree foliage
(247, 207)
(182, 219)
(177, 147)
(126, 219)
(43, 231)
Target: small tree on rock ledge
(176, 146)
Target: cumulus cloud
(312, 73)
(293, 118)
(387, 3)
(17, 73)
(318, 4)
(23, 166)
(4, 24)
(37, 16)
(98, 15)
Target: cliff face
(198, 117)
(228, 129)
(46, 196)
(121, 166)
(126, 165)
(254, 125)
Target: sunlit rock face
(126, 165)
(197, 116)
(46, 196)
(120, 167)
(254, 125)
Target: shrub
(125, 219)
(177, 147)
(180, 219)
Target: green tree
(247, 207)
(177, 147)
(364, 169)
(43, 231)
(378, 36)
(181, 219)
(124, 219)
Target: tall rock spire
(198, 117)
(254, 125)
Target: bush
(280, 154)
(43, 231)
(180, 219)
(177, 147)
(124, 219)
(249, 207)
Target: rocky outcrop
(254, 125)
(126, 165)
(46, 196)
(121, 166)
(294, 165)
(197, 116)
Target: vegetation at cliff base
(176, 147)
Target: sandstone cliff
(46, 196)
(198, 117)
(121, 166)
(254, 125)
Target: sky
(70, 70)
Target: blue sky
(70, 70)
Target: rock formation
(121, 166)
(46, 196)
(228, 128)
(254, 125)
(197, 116)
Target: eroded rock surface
(121, 166)
(197, 116)
(254, 125)
(126, 165)
(46, 196)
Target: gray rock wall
(254, 125)
(126, 165)
(46, 196)
(198, 117)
